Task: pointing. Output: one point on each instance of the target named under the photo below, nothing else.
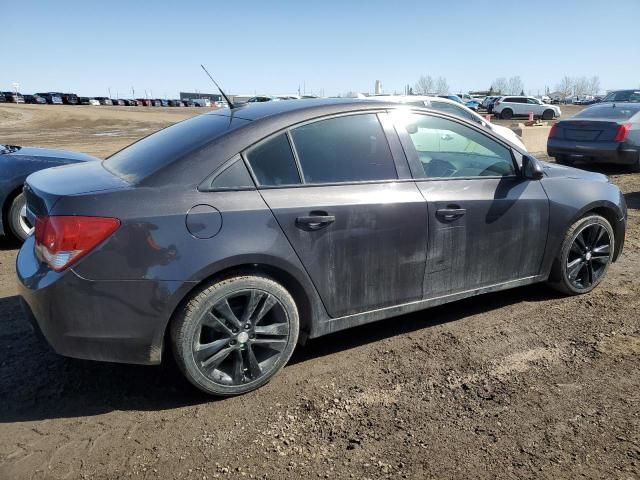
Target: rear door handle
(450, 214)
(315, 221)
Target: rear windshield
(620, 111)
(150, 154)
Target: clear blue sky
(339, 46)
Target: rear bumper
(115, 321)
(609, 152)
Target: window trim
(403, 172)
(417, 170)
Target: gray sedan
(236, 235)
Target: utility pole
(109, 92)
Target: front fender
(571, 199)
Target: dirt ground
(518, 384)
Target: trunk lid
(45, 187)
(588, 130)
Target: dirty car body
(267, 189)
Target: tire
(19, 227)
(581, 266)
(507, 114)
(234, 335)
(547, 114)
(635, 167)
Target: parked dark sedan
(16, 163)
(607, 132)
(234, 235)
(34, 99)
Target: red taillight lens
(62, 240)
(623, 132)
(553, 131)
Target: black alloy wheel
(589, 256)
(236, 334)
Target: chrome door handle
(314, 222)
(450, 214)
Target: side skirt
(325, 327)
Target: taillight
(623, 132)
(63, 240)
(552, 132)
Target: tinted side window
(273, 163)
(344, 149)
(449, 149)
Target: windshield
(154, 152)
(614, 112)
(632, 96)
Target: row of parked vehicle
(57, 98)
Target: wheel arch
(308, 308)
(613, 215)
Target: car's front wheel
(19, 224)
(547, 114)
(585, 256)
(235, 334)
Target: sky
(330, 47)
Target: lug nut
(247, 326)
(232, 342)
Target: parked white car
(454, 108)
(517, 106)
(94, 102)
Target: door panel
(364, 246)
(488, 231)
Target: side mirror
(531, 168)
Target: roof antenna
(229, 102)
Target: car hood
(46, 153)
(553, 170)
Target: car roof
(256, 111)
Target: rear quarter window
(158, 150)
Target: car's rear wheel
(235, 334)
(585, 256)
(547, 114)
(507, 113)
(19, 225)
